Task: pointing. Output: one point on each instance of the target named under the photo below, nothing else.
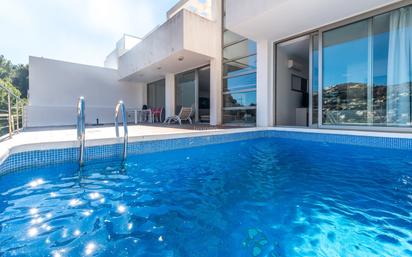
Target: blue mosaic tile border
(369, 141)
(104, 152)
(38, 158)
(23, 160)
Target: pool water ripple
(264, 197)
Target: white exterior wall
(111, 60)
(55, 87)
(200, 34)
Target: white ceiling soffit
(276, 20)
(180, 61)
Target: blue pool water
(263, 197)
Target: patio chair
(185, 114)
(157, 114)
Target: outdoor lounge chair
(184, 114)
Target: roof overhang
(186, 36)
(179, 61)
(276, 20)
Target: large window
(156, 94)
(239, 79)
(367, 71)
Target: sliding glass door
(185, 90)
(367, 72)
(192, 89)
(345, 74)
(156, 94)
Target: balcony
(185, 41)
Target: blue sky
(82, 31)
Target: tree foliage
(21, 79)
(14, 77)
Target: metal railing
(81, 129)
(11, 112)
(120, 106)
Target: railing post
(13, 125)
(17, 114)
(9, 114)
(23, 116)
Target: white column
(216, 67)
(264, 87)
(215, 92)
(170, 94)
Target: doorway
(193, 90)
(292, 82)
(156, 94)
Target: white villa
(319, 63)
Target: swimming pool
(271, 196)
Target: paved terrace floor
(60, 137)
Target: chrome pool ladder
(120, 107)
(81, 129)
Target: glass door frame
(319, 32)
(311, 74)
(196, 81)
(154, 84)
(336, 25)
(196, 90)
(310, 77)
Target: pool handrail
(121, 107)
(81, 128)
(13, 113)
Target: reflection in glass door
(367, 72)
(185, 90)
(156, 94)
(192, 89)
